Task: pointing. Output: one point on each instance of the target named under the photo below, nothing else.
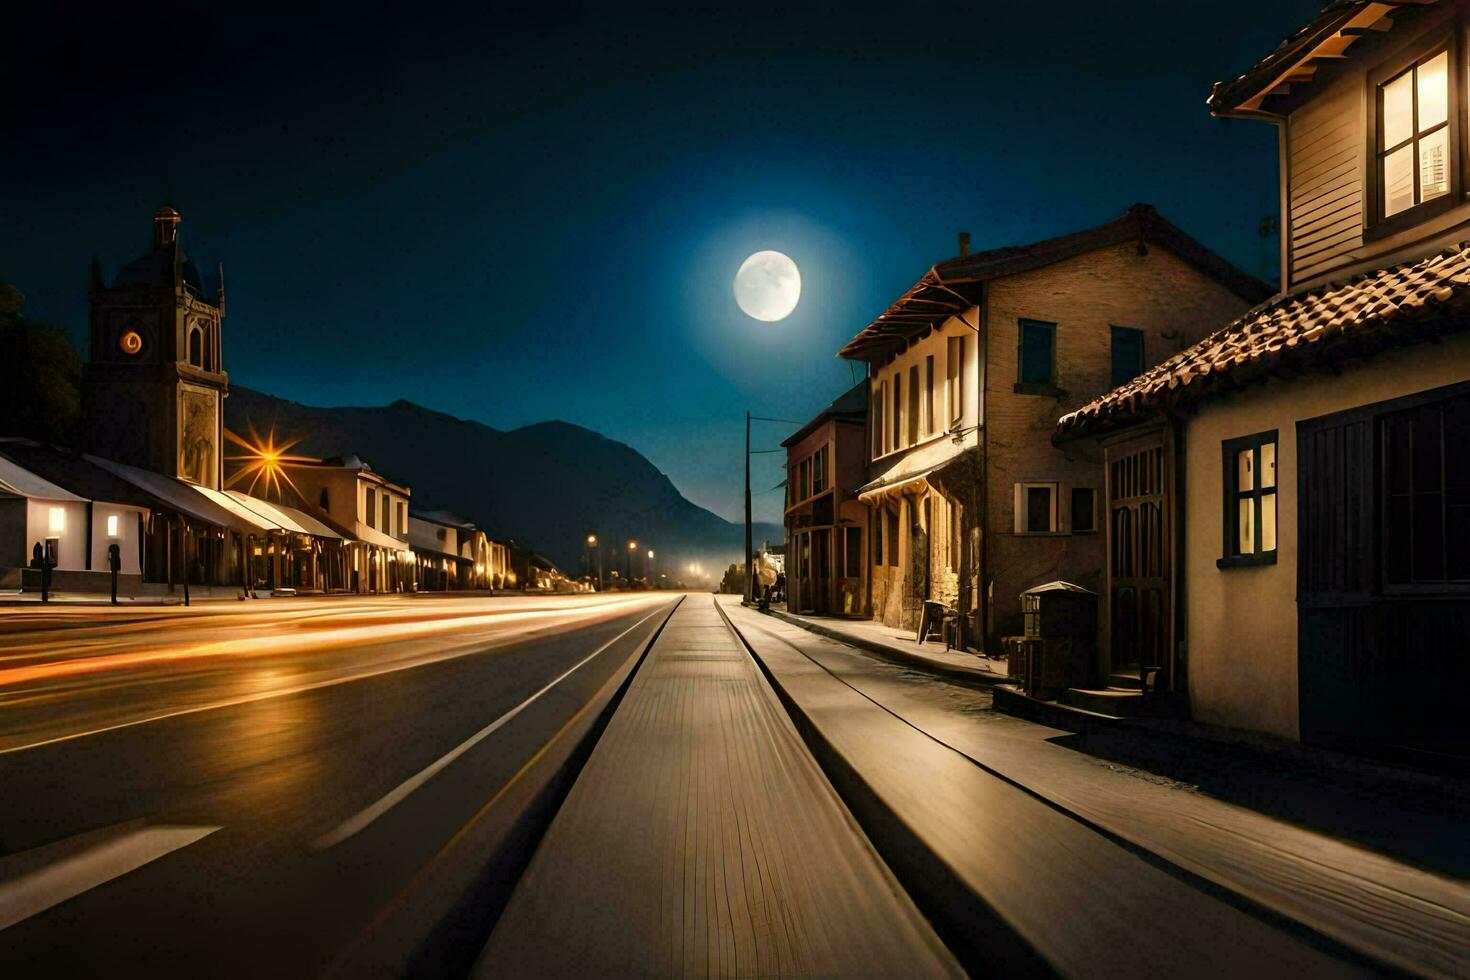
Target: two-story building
(1288, 501)
(826, 525)
(967, 372)
(372, 510)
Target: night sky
(531, 212)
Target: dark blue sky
(534, 212)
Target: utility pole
(749, 555)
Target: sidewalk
(1359, 902)
(701, 839)
(901, 646)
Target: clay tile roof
(1293, 62)
(1403, 304)
(951, 287)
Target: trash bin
(1060, 628)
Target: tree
(40, 375)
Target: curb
(971, 675)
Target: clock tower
(154, 384)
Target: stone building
(967, 372)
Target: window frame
(1024, 387)
(1022, 515)
(1380, 421)
(1231, 494)
(954, 379)
(1409, 58)
(1114, 330)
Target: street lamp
(632, 547)
(591, 552)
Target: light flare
(265, 462)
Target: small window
(402, 517)
(880, 431)
(1127, 355)
(196, 347)
(1036, 508)
(954, 379)
(1084, 510)
(1037, 356)
(897, 423)
(1250, 500)
(929, 427)
(371, 508)
(56, 520)
(112, 525)
(914, 394)
(819, 470)
(1413, 150)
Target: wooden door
(1140, 556)
(1383, 577)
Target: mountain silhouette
(547, 485)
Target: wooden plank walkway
(702, 839)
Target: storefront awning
(229, 503)
(22, 482)
(890, 482)
(289, 518)
(178, 496)
(370, 535)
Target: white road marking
(366, 816)
(476, 646)
(83, 863)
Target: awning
(20, 481)
(894, 481)
(178, 496)
(287, 517)
(371, 535)
(229, 503)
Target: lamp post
(648, 568)
(594, 557)
(632, 547)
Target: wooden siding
(1325, 163)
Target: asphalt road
(243, 790)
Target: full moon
(768, 286)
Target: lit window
(1414, 136)
(1250, 500)
(112, 525)
(56, 522)
(1036, 508)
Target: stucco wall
(1241, 633)
(72, 547)
(1158, 293)
(127, 536)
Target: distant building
(154, 382)
(374, 512)
(1289, 498)
(826, 525)
(968, 370)
(437, 538)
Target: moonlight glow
(768, 286)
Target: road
(253, 790)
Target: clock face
(130, 342)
